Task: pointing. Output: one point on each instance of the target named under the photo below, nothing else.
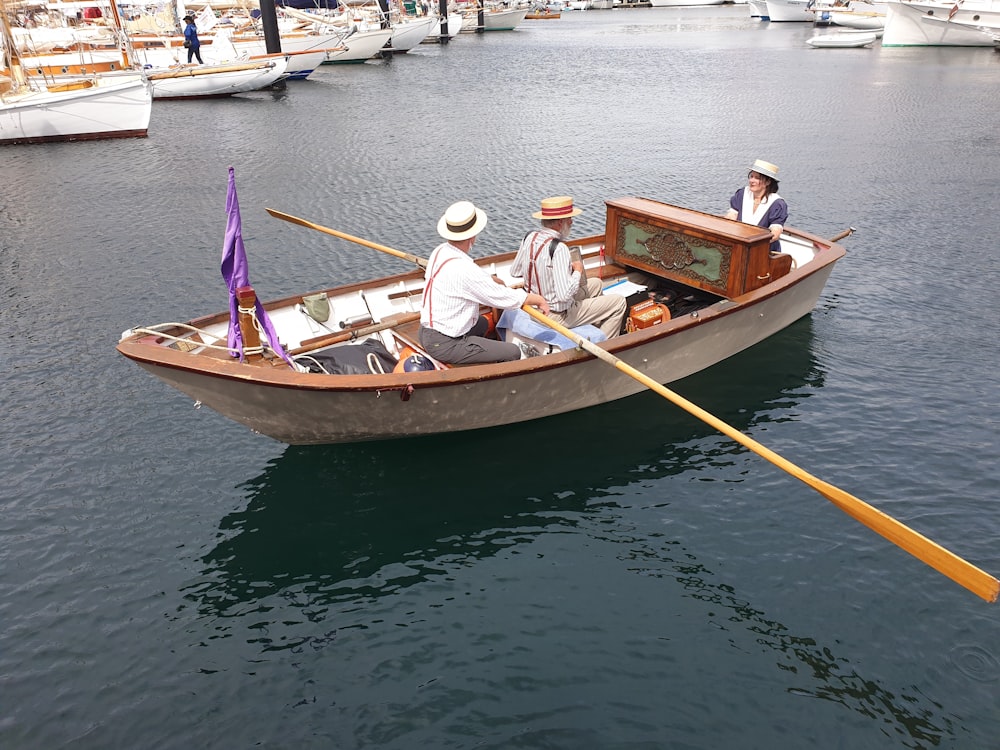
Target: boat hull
(116, 107)
(407, 35)
(305, 408)
(929, 24)
(843, 40)
(198, 81)
(359, 47)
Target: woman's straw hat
(765, 168)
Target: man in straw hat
(759, 203)
(451, 328)
(547, 267)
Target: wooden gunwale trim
(265, 375)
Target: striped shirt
(455, 287)
(553, 278)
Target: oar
(961, 571)
(349, 237)
(841, 235)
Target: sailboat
(36, 109)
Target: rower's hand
(543, 308)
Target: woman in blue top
(191, 39)
(759, 203)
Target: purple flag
(236, 274)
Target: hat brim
(472, 231)
(570, 215)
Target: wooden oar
(841, 235)
(349, 237)
(961, 571)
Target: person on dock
(545, 263)
(451, 328)
(191, 40)
(759, 203)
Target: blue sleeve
(736, 202)
(778, 213)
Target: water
(620, 578)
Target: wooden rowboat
(725, 292)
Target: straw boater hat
(765, 168)
(560, 207)
(461, 221)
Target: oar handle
(336, 338)
(349, 237)
(841, 235)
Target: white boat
(602, 4)
(446, 29)
(103, 106)
(676, 3)
(852, 19)
(496, 19)
(409, 33)
(918, 23)
(787, 11)
(359, 46)
(199, 81)
(37, 110)
(843, 39)
(758, 9)
(302, 64)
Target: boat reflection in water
(333, 537)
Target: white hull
(408, 34)
(360, 46)
(195, 81)
(857, 20)
(675, 3)
(496, 20)
(602, 4)
(446, 27)
(843, 39)
(927, 24)
(786, 11)
(758, 9)
(115, 107)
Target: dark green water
(618, 578)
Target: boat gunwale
(275, 374)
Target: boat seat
(519, 323)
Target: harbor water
(622, 577)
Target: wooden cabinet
(723, 257)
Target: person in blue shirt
(191, 39)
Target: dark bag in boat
(187, 42)
(351, 359)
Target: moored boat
(716, 288)
(920, 23)
(843, 39)
(226, 79)
(112, 106)
(408, 33)
(359, 46)
(673, 3)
